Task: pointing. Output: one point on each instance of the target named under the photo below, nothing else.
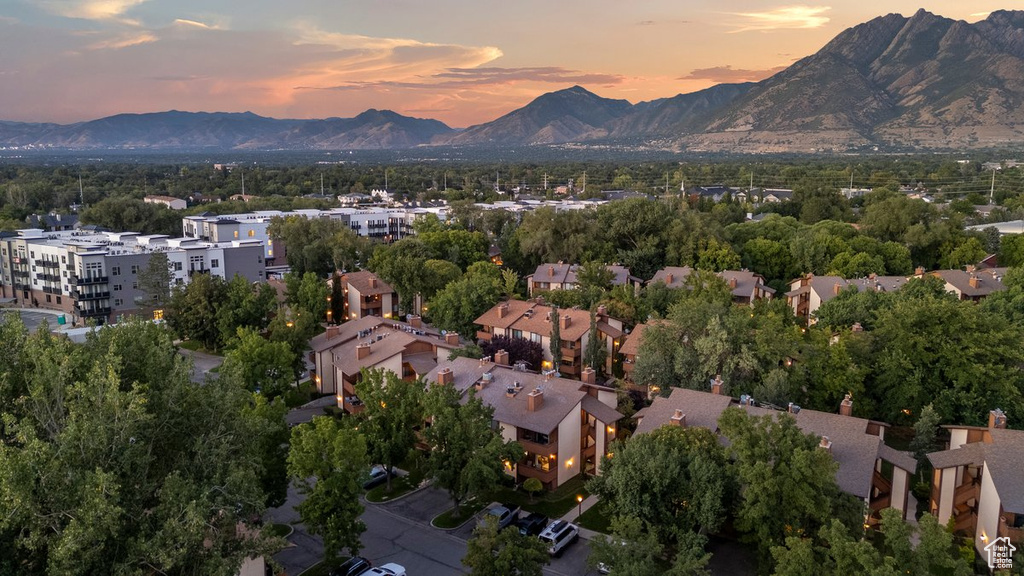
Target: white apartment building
(95, 274)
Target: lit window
(252, 233)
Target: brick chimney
(502, 309)
(996, 419)
(451, 338)
(332, 331)
(551, 271)
(919, 271)
(445, 376)
(732, 282)
(970, 268)
(678, 419)
(501, 357)
(588, 376)
(668, 279)
(793, 408)
(373, 281)
(414, 320)
(825, 443)
(716, 384)
(846, 406)
(974, 281)
(535, 399)
(566, 322)
(837, 288)
(362, 350)
(856, 327)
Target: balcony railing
(481, 335)
(92, 312)
(537, 448)
(90, 295)
(89, 280)
(545, 477)
(48, 277)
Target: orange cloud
(785, 17)
(723, 74)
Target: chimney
(856, 327)
(445, 376)
(746, 400)
(588, 376)
(678, 419)
(362, 350)
(716, 385)
(373, 281)
(996, 419)
(825, 443)
(919, 271)
(793, 408)
(837, 288)
(974, 281)
(332, 331)
(451, 338)
(872, 276)
(732, 282)
(846, 406)
(551, 271)
(602, 311)
(535, 399)
(668, 279)
(970, 268)
(414, 320)
(566, 322)
(502, 309)
(501, 357)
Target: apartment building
(978, 482)
(808, 293)
(167, 201)
(562, 276)
(868, 468)
(410, 350)
(94, 275)
(367, 295)
(386, 224)
(971, 283)
(565, 426)
(747, 287)
(533, 321)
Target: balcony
(195, 271)
(352, 405)
(88, 280)
(546, 477)
(92, 312)
(83, 296)
(49, 290)
(965, 493)
(48, 263)
(536, 448)
(1015, 534)
(481, 335)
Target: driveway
(202, 363)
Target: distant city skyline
(459, 62)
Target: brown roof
(516, 308)
(566, 273)
(853, 447)
(607, 329)
(600, 410)
(989, 281)
(385, 342)
(351, 329)
(746, 280)
(562, 397)
(360, 281)
(825, 286)
(1002, 461)
(679, 276)
(538, 320)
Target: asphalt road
(202, 363)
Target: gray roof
(701, 409)
(967, 454)
(1003, 461)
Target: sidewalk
(573, 514)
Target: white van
(558, 535)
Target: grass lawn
(322, 568)
(196, 347)
(596, 519)
(449, 520)
(400, 485)
(300, 395)
(552, 504)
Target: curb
(455, 528)
(423, 485)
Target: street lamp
(579, 503)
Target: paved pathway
(307, 411)
(202, 363)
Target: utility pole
(666, 183)
(445, 180)
(242, 172)
(992, 192)
(321, 183)
(584, 181)
(545, 180)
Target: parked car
(559, 535)
(378, 475)
(505, 515)
(532, 524)
(386, 570)
(352, 567)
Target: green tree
(594, 353)
(593, 280)
(244, 305)
(403, 266)
(788, 483)
(294, 328)
(261, 365)
(193, 310)
(99, 460)
(969, 251)
(533, 486)
(673, 480)
(555, 342)
(461, 302)
(328, 463)
(318, 245)
(394, 410)
(493, 552)
(509, 283)
(467, 455)
(155, 281)
(628, 551)
(924, 433)
(308, 292)
(717, 256)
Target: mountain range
(923, 82)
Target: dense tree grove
(112, 461)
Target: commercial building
(96, 274)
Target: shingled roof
(367, 283)
(1001, 458)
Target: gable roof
(361, 282)
(987, 281)
(562, 273)
(1001, 457)
(530, 316)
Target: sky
(461, 62)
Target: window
(179, 281)
(64, 259)
(535, 338)
(214, 263)
(118, 302)
(517, 333)
(252, 233)
(48, 298)
(118, 288)
(115, 271)
(135, 268)
(58, 299)
(177, 266)
(236, 233)
(32, 255)
(135, 285)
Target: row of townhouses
(95, 275)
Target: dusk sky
(460, 62)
